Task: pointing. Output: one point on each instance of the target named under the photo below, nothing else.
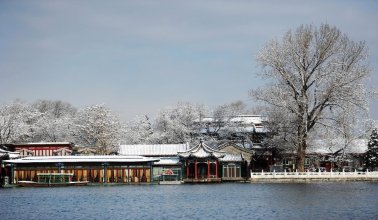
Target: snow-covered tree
(281, 129)
(347, 130)
(317, 74)
(230, 109)
(17, 122)
(178, 124)
(223, 125)
(56, 123)
(97, 127)
(139, 131)
(371, 156)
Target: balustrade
(313, 175)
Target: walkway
(310, 176)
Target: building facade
(237, 163)
(335, 155)
(95, 169)
(47, 149)
(179, 162)
(169, 166)
(245, 129)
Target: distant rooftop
(243, 119)
(232, 158)
(152, 149)
(357, 146)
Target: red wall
(42, 150)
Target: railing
(313, 175)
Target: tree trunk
(302, 144)
(301, 155)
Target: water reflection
(351, 200)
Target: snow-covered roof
(168, 161)
(257, 146)
(13, 155)
(232, 158)
(78, 159)
(152, 149)
(243, 119)
(2, 154)
(248, 119)
(10, 154)
(44, 143)
(240, 129)
(201, 151)
(259, 129)
(358, 146)
(235, 145)
(3, 151)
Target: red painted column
(128, 174)
(123, 176)
(187, 169)
(208, 169)
(145, 175)
(99, 176)
(195, 169)
(216, 169)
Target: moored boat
(169, 177)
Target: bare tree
(317, 74)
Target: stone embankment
(298, 177)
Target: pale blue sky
(140, 56)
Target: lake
(346, 200)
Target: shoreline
(312, 180)
(249, 181)
(308, 177)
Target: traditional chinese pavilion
(201, 164)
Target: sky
(138, 57)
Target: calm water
(354, 200)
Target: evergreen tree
(371, 156)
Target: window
(285, 161)
(231, 170)
(307, 161)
